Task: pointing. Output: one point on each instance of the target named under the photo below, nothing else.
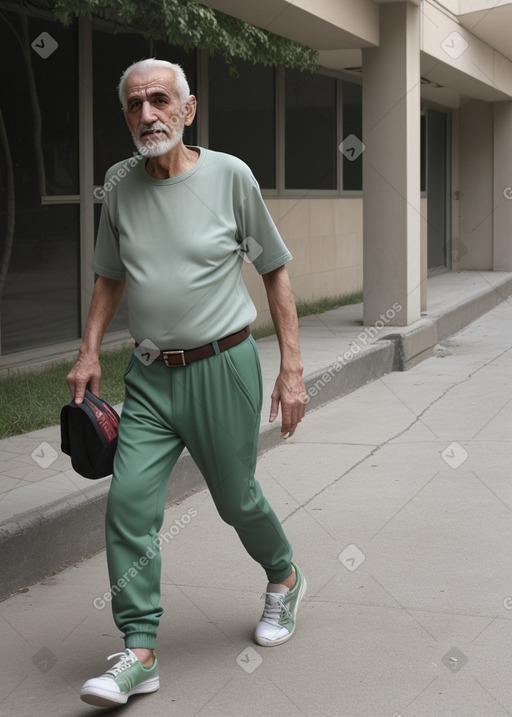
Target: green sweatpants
(213, 408)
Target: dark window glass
(39, 245)
(41, 295)
(423, 165)
(112, 55)
(242, 116)
(311, 153)
(436, 159)
(353, 128)
(40, 104)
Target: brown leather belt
(183, 357)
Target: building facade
(391, 162)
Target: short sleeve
(260, 238)
(107, 258)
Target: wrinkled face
(155, 114)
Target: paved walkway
(398, 501)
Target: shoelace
(122, 664)
(274, 608)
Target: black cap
(89, 435)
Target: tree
(189, 24)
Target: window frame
(281, 190)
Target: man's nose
(148, 113)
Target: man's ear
(189, 110)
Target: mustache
(151, 128)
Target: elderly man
(173, 232)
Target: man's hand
(85, 373)
(289, 391)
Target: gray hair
(180, 80)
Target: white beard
(156, 148)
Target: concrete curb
(454, 319)
(43, 541)
(416, 342)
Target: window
(39, 244)
(311, 152)
(242, 116)
(352, 125)
(437, 183)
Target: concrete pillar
(391, 169)
(476, 186)
(502, 221)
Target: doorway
(435, 138)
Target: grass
(309, 308)
(29, 401)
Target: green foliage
(189, 24)
(328, 303)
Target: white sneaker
(126, 678)
(277, 623)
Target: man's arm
(289, 388)
(105, 301)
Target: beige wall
(325, 238)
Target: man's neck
(178, 161)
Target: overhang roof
(493, 24)
(323, 24)
(340, 29)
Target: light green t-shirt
(180, 242)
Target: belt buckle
(170, 353)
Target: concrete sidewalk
(397, 499)
(50, 517)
